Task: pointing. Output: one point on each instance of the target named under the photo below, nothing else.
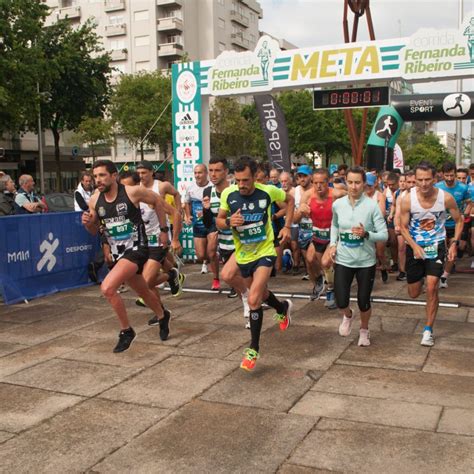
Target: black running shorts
(138, 257)
(248, 269)
(418, 268)
(158, 254)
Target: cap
(147, 165)
(304, 169)
(371, 179)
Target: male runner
(116, 208)
(162, 188)
(156, 251)
(390, 192)
(460, 193)
(205, 240)
(316, 205)
(422, 221)
(462, 175)
(357, 224)
(249, 205)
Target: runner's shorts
(138, 257)
(158, 254)
(320, 247)
(248, 269)
(418, 268)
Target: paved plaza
(315, 403)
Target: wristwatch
(227, 221)
(165, 229)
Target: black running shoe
(165, 325)
(126, 338)
(318, 288)
(174, 282)
(402, 276)
(384, 274)
(154, 321)
(394, 268)
(232, 294)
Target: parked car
(59, 202)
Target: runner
(246, 208)
(156, 250)
(357, 224)
(116, 208)
(218, 171)
(205, 240)
(390, 192)
(286, 181)
(170, 272)
(315, 215)
(422, 223)
(462, 175)
(460, 194)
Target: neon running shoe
(140, 302)
(250, 359)
(216, 285)
(284, 319)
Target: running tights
(342, 285)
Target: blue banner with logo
(43, 253)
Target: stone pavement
(315, 403)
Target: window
(115, 20)
(221, 23)
(173, 14)
(142, 40)
(221, 47)
(118, 69)
(174, 39)
(252, 17)
(142, 66)
(117, 44)
(141, 15)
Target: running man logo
(47, 248)
(456, 105)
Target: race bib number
(197, 210)
(431, 251)
(322, 234)
(348, 239)
(306, 230)
(252, 233)
(152, 240)
(120, 230)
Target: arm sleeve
(334, 226)
(207, 216)
(381, 233)
(224, 196)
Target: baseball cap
(304, 169)
(147, 165)
(371, 179)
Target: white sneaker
(364, 338)
(247, 324)
(443, 282)
(345, 327)
(427, 339)
(204, 268)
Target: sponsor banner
(428, 54)
(187, 136)
(387, 127)
(42, 254)
(398, 162)
(275, 132)
(183, 119)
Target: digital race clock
(351, 98)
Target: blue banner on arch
(42, 254)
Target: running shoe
(427, 339)
(364, 338)
(232, 294)
(394, 268)
(216, 285)
(154, 321)
(384, 275)
(249, 360)
(284, 319)
(330, 302)
(122, 289)
(140, 302)
(305, 277)
(165, 325)
(402, 276)
(126, 338)
(345, 327)
(174, 282)
(204, 269)
(318, 288)
(443, 282)
(247, 324)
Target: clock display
(351, 98)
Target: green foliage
(138, 100)
(21, 23)
(95, 132)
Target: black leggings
(343, 277)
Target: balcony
(170, 49)
(114, 5)
(170, 24)
(69, 13)
(240, 40)
(169, 3)
(255, 6)
(239, 18)
(119, 55)
(116, 30)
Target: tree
(21, 23)
(95, 132)
(76, 75)
(136, 104)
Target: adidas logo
(186, 120)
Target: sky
(308, 23)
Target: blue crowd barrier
(42, 254)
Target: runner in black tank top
(116, 209)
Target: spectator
(7, 195)
(85, 189)
(26, 201)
